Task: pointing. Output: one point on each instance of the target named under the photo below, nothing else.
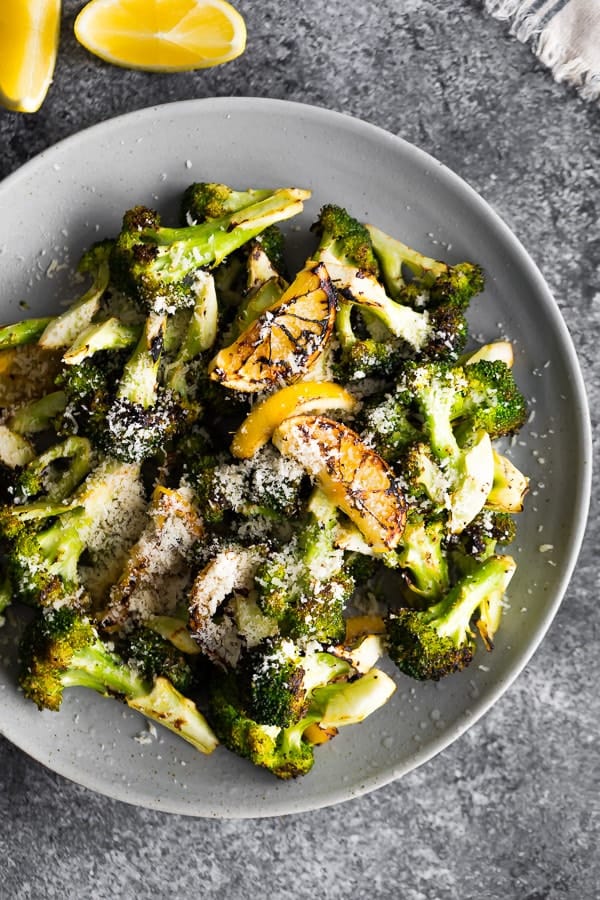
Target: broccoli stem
(26, 332)
(38, 415)
(64, 329)
(451, 617)
(139, 380)
(195, 246)
(111, 334)
(95, 667)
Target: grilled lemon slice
(281, 345)
(307, 396)
(353, 476)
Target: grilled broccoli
(204, 200)
(276, 679)
(289, 752)
(423, 560)
(305, 586)
(156, 265)
(152, 655)
(66, 328)
(346, 249)
(55, 473)
(434, 642)
(432, 391)
(19, 334)
(410, 276)
(491, 399)
(61, 649)
(46, 539)
(38, 415)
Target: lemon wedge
(28, 47)
(285, 340)
(162, 35)
(350, 474)
(308, 396)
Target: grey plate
(76, 192)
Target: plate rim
(228, 104)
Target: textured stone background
(511, 810)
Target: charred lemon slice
(307, 396)
(281, 345)
(353, 476)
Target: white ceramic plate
(75, 193)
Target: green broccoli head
(156, 265)
(448, 333)
(492, 400)
(368, 358)
(55, 473)
(282, 751)
(277, 677)
(210, 200)
(430, 643)
(345, 239)
(62, 649)
(458, 284)
(153, 656)
(409, 274)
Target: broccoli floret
(346, 250)
(153, 656)
(262, 485)
(142, 415)
(39, 415)
(66, 328)
(306, 585)
(289, 752)
(429, 279)
(56, 472)
(277, 678)
(89, 392)
(210, 200)
(434, 642)
(388, 424)
(344, 239)
(422, 558)
(183, 369)
(156, 265)
(435, 390)
(46, 539)
(492, 399)
(62, 649)
(107, 334)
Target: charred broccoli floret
(46, 539)
(289, 752)
(152, 656)
(62, 649)
(205, 200)
(277, 678)
(156, 265)
(66, 328)
(306, 585)
(492, 400)
(430, 643)
(410, 275)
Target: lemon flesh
(29, 32)
(162, 35)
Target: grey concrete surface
(511, 810)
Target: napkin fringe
(573, 69)
(558, 57)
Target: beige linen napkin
(564, 34)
